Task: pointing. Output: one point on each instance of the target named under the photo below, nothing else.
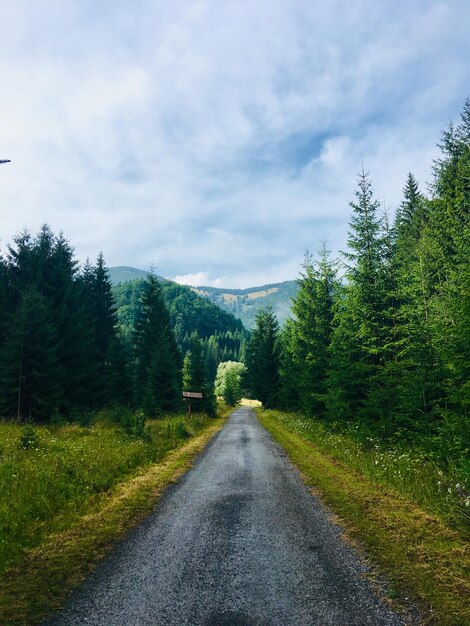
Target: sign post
(191, 395)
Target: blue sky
(216, 140)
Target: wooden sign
(192, 394)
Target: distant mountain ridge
(123, 273)
(243, 303)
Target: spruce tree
(196, 377)
(263, 359)
(361, 324)
(158, 375)
(104, 322)
(30, 369)
(311, 331)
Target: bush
(28, 438)
(133, 423)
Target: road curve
(238, 541)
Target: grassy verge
(423, 557)
(35, 579)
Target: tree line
(384, 344)
(64, 351)
(192, 317)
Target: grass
(67, 495)
(423, 557)
(408, 471)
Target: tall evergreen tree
(360, 328)
(195, 377)
(30, 369)
(158, 375)
(312, 329)
(263, 359)
(103, 325)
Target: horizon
(199, 286)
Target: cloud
(199, 279)
(219, 135)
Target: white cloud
(222, 135)
(200, 279)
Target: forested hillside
(222, 335)
(123, 273)
(70, 345)
(380, 343)
(245, 303)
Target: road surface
(238, 541)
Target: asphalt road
(238, 541)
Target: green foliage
(56, 329)
(307, 338)
(188, 311)
(388, 348)
(195, 378)
(28, 438)
(232, 390)
(158, 383)
(263, 359)
(49, 477)
(133, 423)
(228, 383)
(222, 336)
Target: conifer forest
(379, 338)
(235, 313)
(372, 368)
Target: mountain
(123, 273)
(222, 334)
(243, 303)
(188, 310)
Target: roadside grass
(66, 492)
(408, 471)
(425, 559)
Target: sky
(217, 141)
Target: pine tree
(449, 268)
(196, 377)
(104, 329)
(187, 372)
(120, 380)
(211, 356)
(263, 359)
(409, 373)
(311, 331)
(73, 323)
(158, 375)
(361, 324)
(290, 369)
(29, 371)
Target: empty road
(238, 541)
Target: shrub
(28, 438)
